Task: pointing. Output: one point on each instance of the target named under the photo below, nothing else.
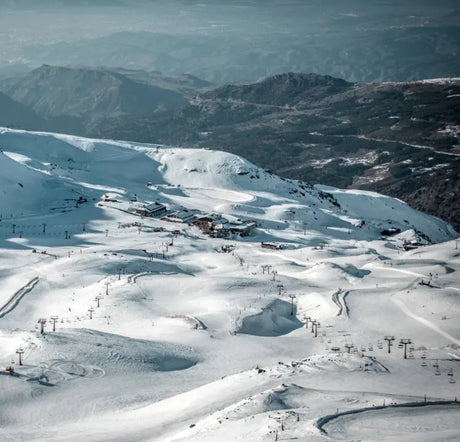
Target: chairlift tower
(348, 347)
(98, 300)
(307, 320)
(315, 325)
(405, 342)
(389, 339)
(42, 322)
(54, 319)
(91, 311)
(20, 352)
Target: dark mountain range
(71, 99)
(400, 139)
(16, 115)
(348, 47)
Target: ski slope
(163, 337)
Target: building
(153, 210)
(215, 225)
(243, 228)
(185, 216)
(272, 245)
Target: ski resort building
(153, 210)
(217, 226)
(185, 216)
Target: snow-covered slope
(44, 170)
(162, 336)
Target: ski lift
(436, 364)
(400, 345)
(371, 348)
(450, 372)
(424, 356)
(437, 372)
(451, 381)
(424, 364)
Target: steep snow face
(49, 172)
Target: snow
(162, 338)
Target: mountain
(364, 47)
(185, 84)
(71, 98)
(139, 328)
(14, 114)
(400, 139)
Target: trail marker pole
(389, 339)
(20, 352)
(292, 304)
(54, 318)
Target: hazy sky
(31, 31)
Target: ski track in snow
(424, 321)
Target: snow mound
(115, 352)
(273, 320)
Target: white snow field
(161, 336)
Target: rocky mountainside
(14, 114)
(71, 98)
(400, 139)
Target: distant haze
(226, 41)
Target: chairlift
(436, 364)
(424, 364)
(451, 381)
(437, 372)
(424, 356)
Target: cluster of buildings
(211, 224)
